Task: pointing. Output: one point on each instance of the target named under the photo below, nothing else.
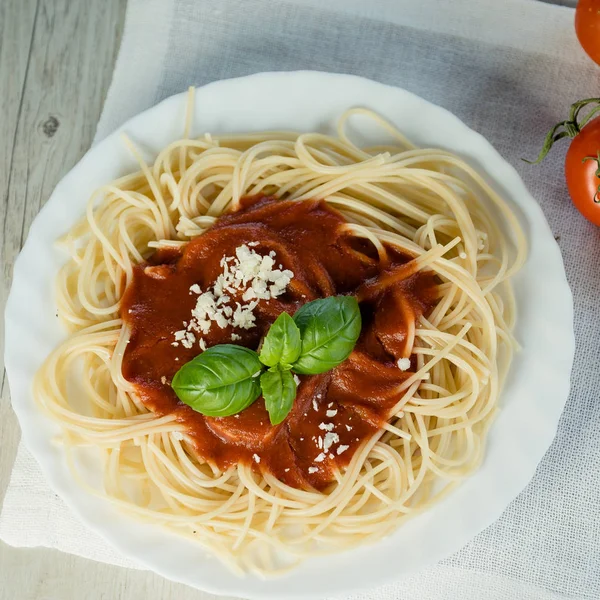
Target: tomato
(582, 163)
(587, 27)
(582, 171)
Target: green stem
(597, 173)
(569, 128)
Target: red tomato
(582, 163)
(582, 170)
(587, 27)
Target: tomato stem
(569, 128)
(597, 173)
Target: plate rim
(23, 411)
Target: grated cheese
(330, 439)
(404, 364)
(185, 338)
(312, 470)
(256, 458)
(247, 276)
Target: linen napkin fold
(509, 70)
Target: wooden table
(56, 62)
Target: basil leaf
(329, 328)
(220, 382)
(281, 345)
(279, 391)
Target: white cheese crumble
(326, 426)
(330, 439)
(163, 380)
(341, 449)
(247, 276)
(320, 458)
(256, 458)
(296, 379)
(312, 470)
(331, 413)
(404, 364)
(315, 405)
(185, 338)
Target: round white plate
(531, 403)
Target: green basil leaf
(281, 345)
(329, 328)
(279, 391)
(220, 382)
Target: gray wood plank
(41, 574)
(17, 24)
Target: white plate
(531, 403)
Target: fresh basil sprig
(279, 391)
(329, 329)
(224, 379)
(220, 382)
(282, 344)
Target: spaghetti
(426, 203)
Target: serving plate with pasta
(289, 335)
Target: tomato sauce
(353, 401)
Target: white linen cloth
(510, 70)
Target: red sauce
(310, 240)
